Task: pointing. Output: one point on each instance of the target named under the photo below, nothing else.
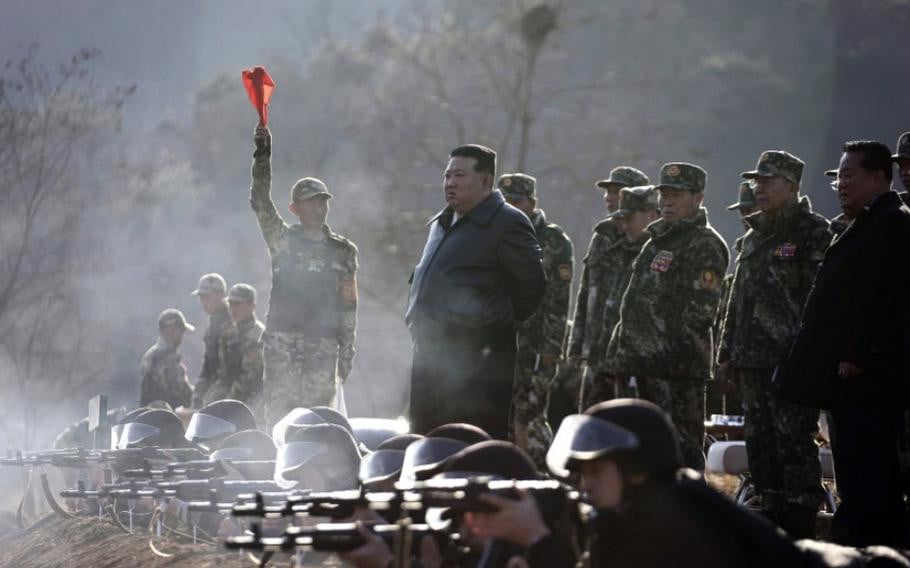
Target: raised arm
(270, 222)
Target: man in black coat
(479, 275)
(851, 354)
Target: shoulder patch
(565, 272)
(708, 280)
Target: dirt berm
(54, 542)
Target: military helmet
(245, 445)
(493, 458)
(217, 420)
(153, 428)
(399, 442)
(467, 433)
(319, 457)
(637, 430)
(380, 466)
(332, 416)
(424, 458)
(297, 417)
(373, 431)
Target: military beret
(624, 176)
(680, 175)
(517, 185)
(777, 163)
(308, 188)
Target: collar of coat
(762, 222)
(482, 213)
(538, 218)
(888, 200)
(661, 228)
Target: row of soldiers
(232, 366)
(657, 318)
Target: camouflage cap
(777, 163)
(624, 176)
(242, 293)
(211, 282)
(746, 197)
(633, 199)
(903, 146)
(680, 175)
(171, 317)
(308, 188)
(517, 185)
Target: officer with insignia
(211, 290)
(637, 209)
(241, 350)
(312, 319)
(663, 337)
(540, 337)
(586, 344)
(164, 375)
(775, 269)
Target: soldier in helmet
(240, 350)
(312, 318)
(211, 291)
(540, 337)
(586, 343)
(637, 209)
(663, 337)
(650, 511)
(164, 375)
(775, 269)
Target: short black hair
(486, 157)
(876, 155)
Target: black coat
(856, 313)
(475, 281)
(479, 276)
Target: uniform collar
(763, 222)
(661, 228)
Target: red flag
(259, 87)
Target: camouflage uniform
(312, 315)
(663, 337)
(722, 394)
(241, 355)
(619, 256)
(774, 272)
(541, 336)
(219, 323)
(164, 375)
(587, 341)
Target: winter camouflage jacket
(667, 310)
(774, 272)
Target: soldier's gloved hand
(344, 368)
(262, 138)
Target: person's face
(311, 212)
(903, 171)
(211, 301)
(773, 193)
(240, 310)
(173, 334)
(601, 482)
(611, 198)
(676, 204)
(465, 187)
(634, 224)
(856, 186)
(523, 204)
